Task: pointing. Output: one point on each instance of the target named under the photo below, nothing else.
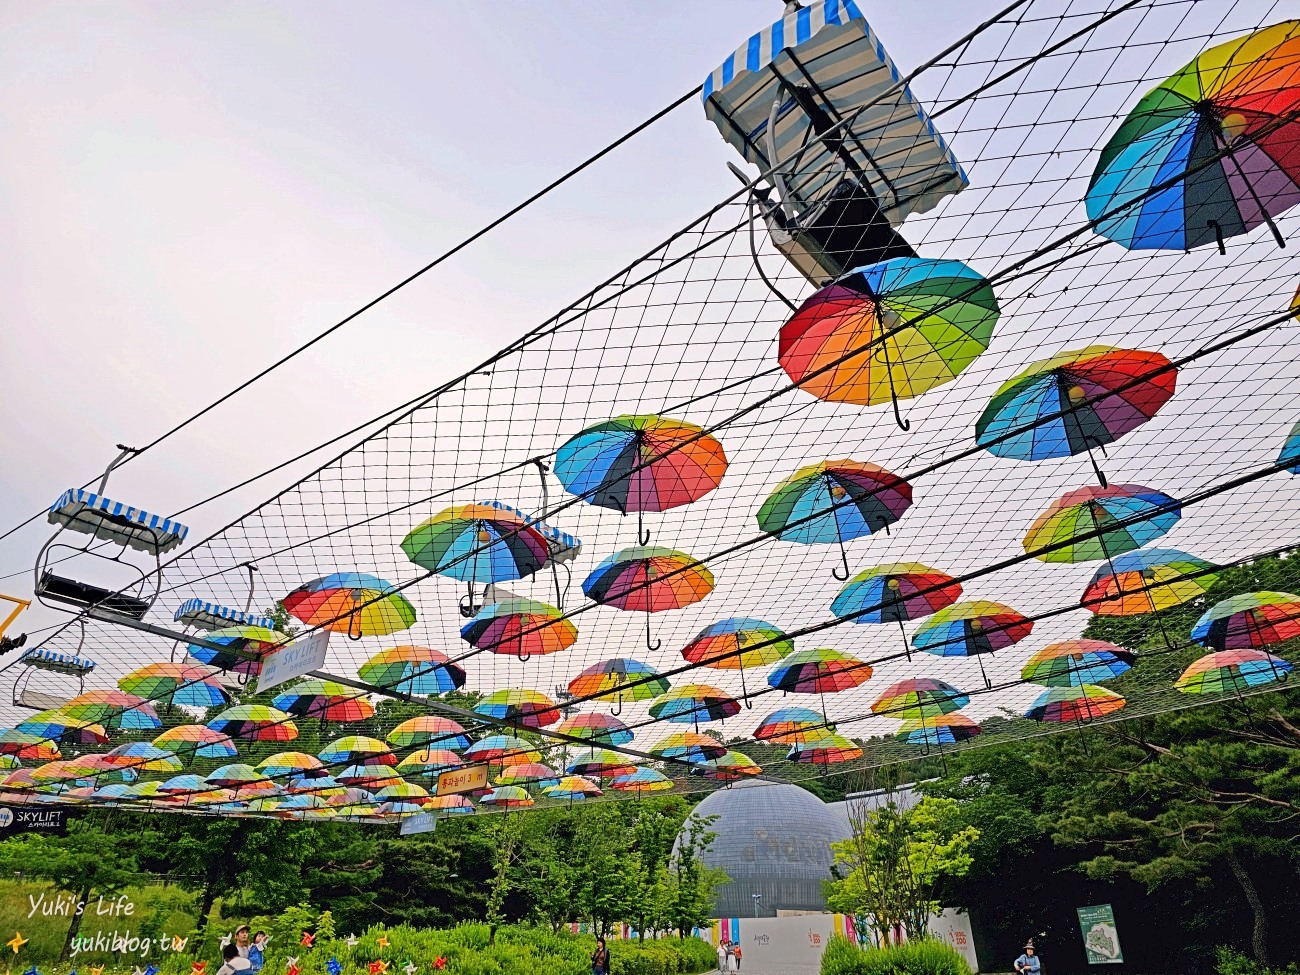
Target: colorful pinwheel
(1209, 153)
(115, 710)
(600, 729)
(1076, 662)
(526, 708)
(788, 726)
(920, 697)
(477, 543)
(889, 331)
(970, 629)
(1231, 671)
(324, 700)
(1098, 523)
(1082, 703)
(694, 703)
(176, 684)
(354, 603)
(357, 748)
(191, 741)
(896, 593)
(255, 722)
(1249, 621)
(243, 648)
(648, 580)
(413, 670)
(523, 627)
(429, 731)
(621, 678)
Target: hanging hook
(617, 709)
(907, 645)
(1218, 235)
(844, 557)
(893, 393)
(744, 692)
(642, 534)
(467, 607)
(354, 625)
(520, 653)
(252, 569)
(979, 658)
(656, 644)
(1101, 477)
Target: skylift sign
(293, 660)
(15, 821)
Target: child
(232, 962)
(257, 952)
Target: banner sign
(293, 660)
(418, 823)
(16, 821)
(1100, 939)
(467, 779)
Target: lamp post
(757, 898)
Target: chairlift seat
(40, 700)
(43, 658)
(563, 546)
(86, 596)
(204, 615)
(112, 521)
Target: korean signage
(293, 660)
(466, 779)
(1100, 939)
(15, 820)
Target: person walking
(731, 956)
(736, 953)
(600, 958)
(1028, 963)
(722, 956)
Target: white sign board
(293, 660)
(418, 823)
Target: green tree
(689, 886)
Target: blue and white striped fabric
(145, 533)
(212, 616)
(58, 663)
(564, 546)
(831, 45)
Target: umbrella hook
(642, 534)
(893, 393)
(617, 709)
(1101, 478)
(844, 557)
(355, 631)
(252, 579)
(744, 692)
(1218, 235)
(521, 654)
(467, 607)
(979, 658)
(656, 644)
(907, 646)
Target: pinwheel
(896, 593)
(1231, 671)
(889, 331)
(948, 729)
(413, 670)
(737, 643)
(641, 463)
(243, 648)
(648, 580)
(21, 745)
(357, 748)
(191, 741)
(520, 706)
(523, 627)
(1249, 621)
(729, 767)
(688, 746)
(526, 774)
(499, 750)
(354, 603)
(1075, 402)
(115, 710)
(1289, 456)
(920, 697)
(971, 629)
(1077, 662)
(140, 756)
(448, 805)
(601, 763)
(1148, 581)
(1209, 153)
(641, 780)
(429, 761)
(176, 685)
(283, 765)
(255, 722)
(788, 726)
(572, 788)
(507, 797)
(64, 729)
(621, 678)
(825, 749)
(599, 729)
(429, 731)
(834, 501)
(324, 700)
(1082, 703)
(1099, 523)
(820, 672)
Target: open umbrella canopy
(694, 703)
(947, 729)
(730, 767)
(324, 700)
(429, 761)
(600, 729)
(448, 805)
(1228, 671)
(819, 671)
(283, 765)
(1289, 455)
(141, 757)
(357, 748)
(527, 708)
(188, 785)
(429, 730)
(115, 710)
(785, 726)
(1250, 620)
(641, 463)
(641, 779)
(64, 729)
(895, 593)
(523, 627)
(601, 763)
(355, 603)
(367, 775)
(183, 685)
(191, 741)
(255, 722)
(688, 746)
(402, 791)
(239, 776)
(609, 679)
(834, 501)
(477, 543)
(526, 774)
(919, 697)
(500, 750)
(22, 745)
(738, 642)
(60, 770)
(889, 331)
(413, 670)
(648, 579)
(507, 797)
(1076, 703)
(244, 648)
(1076, 662)
(1210, 152)
(973, 627)
(1096, 523)
(824, 749)
(1093, 396)
(572, 788)
(1147, 581)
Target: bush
(924, 956)
(1232, 962)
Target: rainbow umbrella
(572, 788)
(357, 748)
(826, 749)
(429, 730)
(115, 710)
(694, 703)
(176, 684)
(354, 603)
(368, 775)
(8, 763)
(641, 780)
(296, 765)
(647, 579)
(64, 729)
(402, 791)
(255, 722)
(117, 792)
(243, 648)
(448, 805)
(507, 797)
(834, 501)
(1093, 396)
(786, 726)
(1249, 621)
(1076, 662)
(1099, 523)
(1082, 703)
(60, 770)
(413, 670)
(477, 543)
(1289, 456)
(948, 729)
(688, 746)
(526, 708)
(729, 767)
(523, 627)
(889, 331)
(22, 745)
(600, 729)
(621, 678)
(920, 697)
(184, 785)
(239, 776)
(430, 761)
(970, 629)
(1209, 153)
(896, 593)
(526, 774)
(141, 756)
(191, 741)
(320, 784)
(602, 763)
(641, 463)
(324, 700)
(1148, 581)
(501, 750)
(737, 643)
(819, 671)
(1227, 671)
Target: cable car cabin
(203, 615)
(111, 529)
(816, 100)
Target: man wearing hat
(1028, 963)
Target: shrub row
(924, 956)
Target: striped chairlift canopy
(211, 616)
(112, 521)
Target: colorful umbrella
(255, 722)
(1289, 456)
(526, 774)
(357, 748)
(834, 501)
(1249, 621)
(507, 797)
(641, 780)
(601, 763)
(1098, 523)
(1147, 581)
(889, 331)
(694, 703)
(429, 730)
(184, 785)
(641, 463)
(430, 761)
(819, 671)
(896, 593)
(324, 700)
(526, 708)
(648, 579)
(826, 749)
(20, 744)
(523, 627)
(283, 765)
(972, 628)
(611, 679)
(503, 750)
(1209, 153)
(64, 729)
(239, 776)
(176, 684)
(191, 741)
(948, 729)
(1076, 662)
(688, 746)
(115, 710)
(729, 767)
(571, 788)
(60, 770)
(449, 805)
(477, 543)
(1226, 671)
(920, 697)
(354, 603)
(736, 643)
(141, 756)
(600, 729)
(370, 774)
(401, 791)
(1082, 703)
(787, 726)
(1093, 396)
(244, 648)
(413, 670)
